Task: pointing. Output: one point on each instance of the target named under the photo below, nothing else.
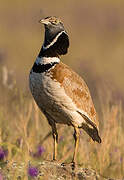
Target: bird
(60, 93)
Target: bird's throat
(58, 46)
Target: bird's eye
(54, 22)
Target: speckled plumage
(59, 92)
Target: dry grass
(96, 52)
(24, 128)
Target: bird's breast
(45, 90)
(50, 96)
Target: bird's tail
(90, 129)
(92, 132)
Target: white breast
(51, 97)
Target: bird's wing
(77, 90)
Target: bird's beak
(44, 21)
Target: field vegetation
(96, 53)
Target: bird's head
(55, 35)
(52, 23)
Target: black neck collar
(41, 68)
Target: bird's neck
(56, 46)
(50, 52)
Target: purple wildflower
(3, 153)
(33, 171)
(1, 177)
(121, 159)
(39, 151)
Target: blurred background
(96, 31)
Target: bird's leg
(55, 137)
(54, 133)
(76, 138)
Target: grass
(24, 130)
(96, 50)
